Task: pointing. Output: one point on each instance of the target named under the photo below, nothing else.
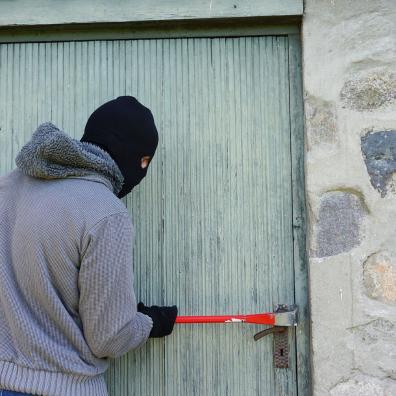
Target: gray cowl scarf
(52, 154)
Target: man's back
(65, 250)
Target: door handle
(271, 330)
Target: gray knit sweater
(67, 302)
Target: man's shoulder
(89, 203)
(94, 196)
(77, 200)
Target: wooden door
(218, 219)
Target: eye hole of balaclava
(126, 130)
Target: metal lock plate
(281, 344)
(281, 349)
(285, 318)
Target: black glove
(163, 318)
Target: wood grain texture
(140, 30)
(214, 217)
(299, 214)
(44, 12)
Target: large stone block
(321, 121)
(379, 277)
(370, 91)
(339, 222)
(379, 152)
(364, 385)
(374, 345)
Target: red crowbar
(284, 315)
(281, 320)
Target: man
(67, 302)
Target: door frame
(229, 27)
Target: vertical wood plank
(219, 184)
(299, 214)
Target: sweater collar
(52, 154)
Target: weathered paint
(43, 12)
(214, 218)
(140, 30)
(299, 215)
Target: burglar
(67, 302)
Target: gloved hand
(163, 318)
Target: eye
(145, 161)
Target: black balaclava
(126, 130)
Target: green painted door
(219, 219)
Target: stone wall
(349, 73)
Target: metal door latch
(286, 316)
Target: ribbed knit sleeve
(107, 305)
